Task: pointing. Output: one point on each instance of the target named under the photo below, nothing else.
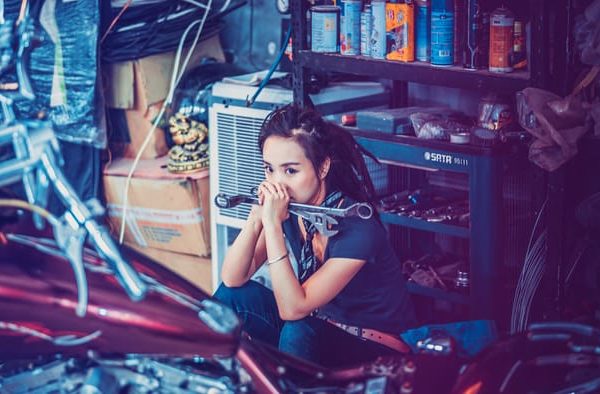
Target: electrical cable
(225, 6)
(537, 275)
(535, 279)
(21, 204)
(522, 282)
(156, 28)
(524, 286)
(267, 77)
(115, 20)
(537, 219)
(176, 76)
(528, 283)
(521, 292)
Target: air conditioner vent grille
(239, 160)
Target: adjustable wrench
(321, 217)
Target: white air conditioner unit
(235, 161)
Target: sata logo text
(438, 157)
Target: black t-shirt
(376, 297)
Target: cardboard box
(197, 270)
(136, 125)
(164, 211)
(150, 75)
(139, 87)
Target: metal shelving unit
(418, 224)
(454, 77)
(457, 77)
(483, 166)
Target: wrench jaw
(325, 224)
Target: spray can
(366, 19)
(422, 30)
(378, 38)
(399, 26)
(350, 29)
(442, 32)
(501, 40)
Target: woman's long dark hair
(321, 139)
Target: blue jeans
(309, 338)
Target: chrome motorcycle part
(135, 374)
(98, 381)
(36, 162)
(98, 235)
(218, 317)
(158, 345)
(36, 151)
(35, 276)
(211, 313)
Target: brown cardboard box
(152, 74)
(139, 123)
(165, 211)
(197, 270)
(140, 87)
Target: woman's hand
(274, 199)
(255, 217)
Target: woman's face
(286, 163)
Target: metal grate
(239, 160)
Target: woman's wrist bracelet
(269, 262)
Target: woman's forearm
(237, 265)
(289, 294)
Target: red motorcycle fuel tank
(38, 299)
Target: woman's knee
(256, 307)
(298, 338)
(228, 295)
(243, 297)
(293, 331)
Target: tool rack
(485, 167)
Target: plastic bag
(556, 133)
(63, 71)
(439, 125)
(587, 34)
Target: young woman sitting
(346, 301)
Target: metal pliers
(321, 217)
